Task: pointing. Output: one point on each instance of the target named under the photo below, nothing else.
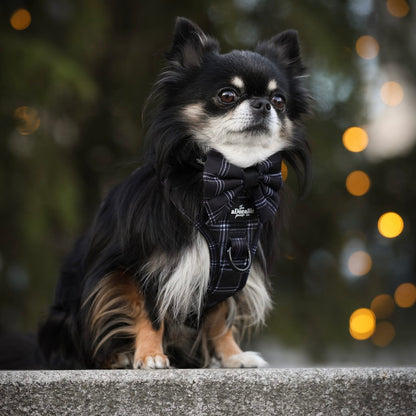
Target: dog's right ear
(190, 44)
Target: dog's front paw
(248, 359)
(151, 361)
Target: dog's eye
(227, 96)
(279, 102)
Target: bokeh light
(285, 171)
(382, 306)
(362, 323)
(355, 139)
(392, 93)
(357, 183)
(383, 334)
(405, 295)
(398, 8)
(27, 120)
(390, 225)
(359, 263)
(367, 47)
(20, 19)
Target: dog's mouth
(256, 128)
(255, 123)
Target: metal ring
(236, 267)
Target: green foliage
(38, 70)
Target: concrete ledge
(354, 391)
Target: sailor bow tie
(225, 182)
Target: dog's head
(247, 105)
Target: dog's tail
(20, 351)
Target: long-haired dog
(175, 262)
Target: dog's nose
(261, 105)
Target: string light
(367, 47)
(382, 306)
(390, 225)
(405, 295)
(357, 183)
(359, 263)
(383, 334)
(20, 19)
(392, 93)
(27, 120)
(398, 8)
(362, 323)
(355, 139)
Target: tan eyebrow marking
(272, 85)
(238, 82)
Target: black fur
(138, 217)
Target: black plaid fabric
(237, 203)
(224, 182)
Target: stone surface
(313, 391)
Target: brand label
(242, 211)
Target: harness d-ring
(236, 267)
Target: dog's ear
(283, 48)
(190, 44)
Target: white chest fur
(183, 283)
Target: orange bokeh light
(405, 295)
(383, 306)
(398, 8)
(367, 47)
(390, 225)
(357, 183)
(20, 19)
(355, 139)
(362, 323)
(27, 120)
(383, 334)
(285, 171)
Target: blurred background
(74, 76)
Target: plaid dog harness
(237, 202)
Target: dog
(174, 266)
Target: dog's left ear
(190, 44)
(283, 48)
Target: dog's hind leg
(225, 346)
(116, 311)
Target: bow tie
(225, 182)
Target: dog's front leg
(225, 346)
(148, 344)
